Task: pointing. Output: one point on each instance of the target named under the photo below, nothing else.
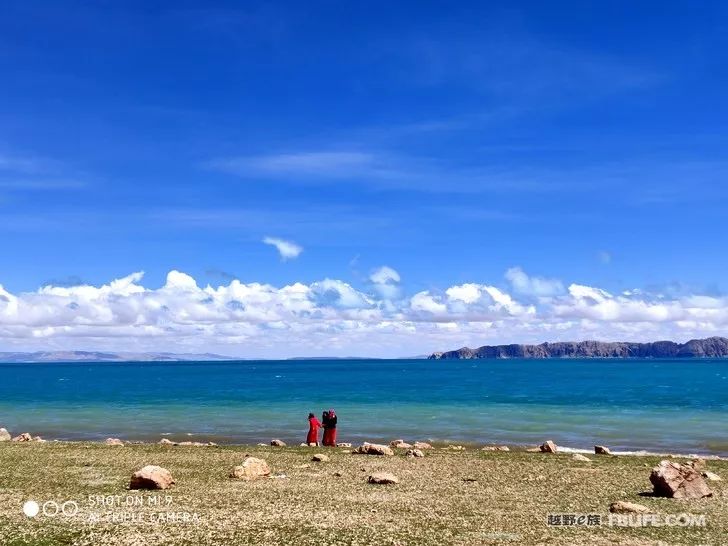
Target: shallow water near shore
(655, 405)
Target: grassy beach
(447, 497)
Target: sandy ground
(449, 497)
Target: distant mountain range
(96, 356)
(712, 347)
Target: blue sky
(449, 142)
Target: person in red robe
(330, 420)
(313, 428)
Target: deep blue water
(655, 405)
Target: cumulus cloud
(386, 282)
(332, 316)
(287, 249)
(536, 286)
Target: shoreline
(201, 440)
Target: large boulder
(624, 507)
(548, 447)
(4, 435)
(671, 479)
(373, 449)
(251, 469)
(24, 437)
(421, 445)
(113, 442)
(278, 443)
(383, 478)
(602, 450)
(151, 477)
(400, 444)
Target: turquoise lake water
(655, 405)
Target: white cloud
(334, 317)
(386, 282)
(318, 164)
(287, 249)
(535, 286)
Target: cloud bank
(332, 317)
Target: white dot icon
(31, 508)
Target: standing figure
(330, 420)
(313, 429)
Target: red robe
(313, 428)
(330, 431)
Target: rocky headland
(712, 347)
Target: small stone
(278, 443)
(24, 437)
(113, 442)
(697, 464)
(624, 507)
(320, 458)
(533, 450)
(383, 478)
(581, 458)
(421, 445)
(151, 477)
(5, 435)
(416, 453)
(400, 444)
(548, 447)
(39, 439)
(374, 449)
(343, 444)
(495, 448)
(602, 450)
(711, 476)
(251, 469)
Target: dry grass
(469, 497)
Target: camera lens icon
(31, 508)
